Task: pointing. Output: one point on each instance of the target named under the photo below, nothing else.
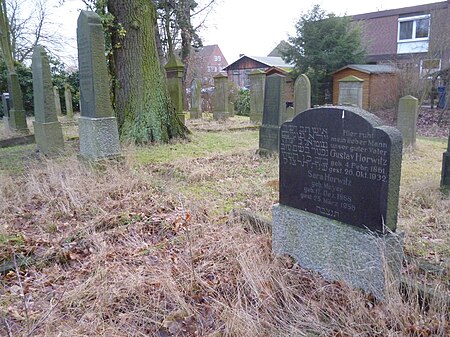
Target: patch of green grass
(12, 159)
(201, 144)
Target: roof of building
(401, 11)
(371, 68)
(269, 61)
(283, 46)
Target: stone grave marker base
(195, 114)
(336, 250)
(17, 121)
(99, 138)
(220, 115)
(49, 137)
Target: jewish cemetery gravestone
(257, 86)
(196, 111)
(16, 119)
(220, 109)
(57, 101)
(68, 101)
(6, 107)
(351, 91)
(302, 93)
(288, 114)
(174, 71)
(99, 136)
(274, 107)
(407, 119)
(47, 129)
(339, 185)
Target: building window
(217, 58)
(414, 28)
(427, 67)
(413, 34)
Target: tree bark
(143, 107)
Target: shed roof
(269, 61)
(370, 68)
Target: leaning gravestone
(351, 91)
(274, 107)
(68, 101)
(220, 110)
(47, 129)
(407, 119)
(196, 111)
(99, 137)
(339, 185)
(57, 101)
(257, 86)
(302, 93)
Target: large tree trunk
(143, 107)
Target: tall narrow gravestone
(68, 101)
(47, 129)
(339, 185)
(196, 110)
(17, 120)
(220, 110)
(257, 86)
(274, 106)
(174, 71)
(99, 137)
(57, 101)
(302, 93)
(407, 119)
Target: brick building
(416, 38)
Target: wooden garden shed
(380, 83)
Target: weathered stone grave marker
(47, 129)
(99, 136)
(68, 101)
(407, 119)
(339, 184)
(6, 105)
(196, 110)
(221, 106)
(174, 71)
(302, 94)
(57, 101)
(17, 120)
(351, 91)
(274, 107)
(257, 86)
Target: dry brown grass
(146, 250)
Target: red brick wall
(380, 35)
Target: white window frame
(414, 19)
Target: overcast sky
(251, 27)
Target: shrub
(242, 104)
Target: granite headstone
(47, 129)
(196, 111)
(339, 185)
(351, 91)
(302, 93)
(99, 136)
(174, 71)
(407, 119)
(68, 101)
(220, 108)
(257, 85)
(57, 101)
(274, 107)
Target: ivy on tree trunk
(143, 107)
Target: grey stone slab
(57, 101)
(257, 87)
(220, 105)
(47, 129)
(195, 99)
(49, 137)
(302, 94)
(99, 138)
(68, 101)
(336, 250)
(95, 101)
(407, 119)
